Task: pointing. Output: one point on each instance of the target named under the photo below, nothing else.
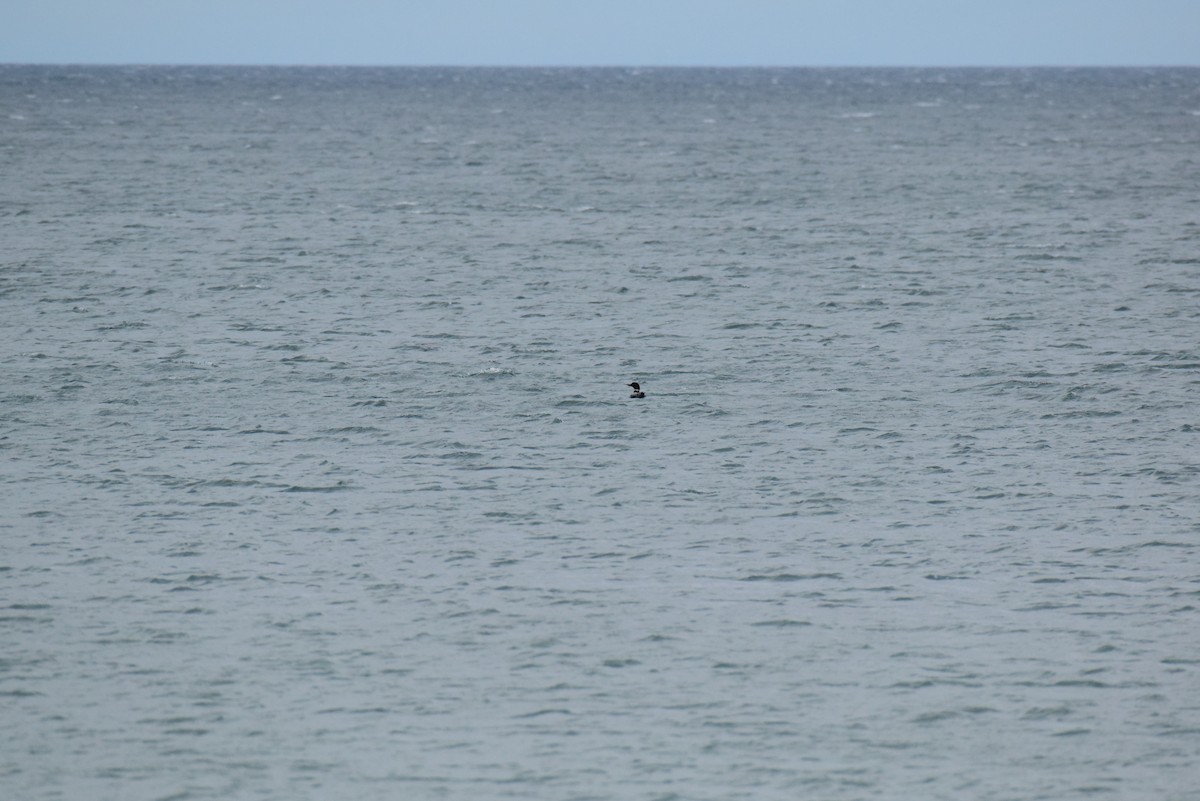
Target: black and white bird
(637, 390)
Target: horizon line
(556, 66)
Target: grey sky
(596, 32)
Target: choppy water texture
(320, 481)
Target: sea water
(320, 479)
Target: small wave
(460, 455)
(543, 712)
(20, 398)
(1080, 414)
(224, 482)
(338, 487)
(576, 402)
(1046, 257)
(493, 372)
(134, 325)
(353, 430)
(791, 576)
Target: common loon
(637, 390)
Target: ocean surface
(319, 478)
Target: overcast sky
(602, 32)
